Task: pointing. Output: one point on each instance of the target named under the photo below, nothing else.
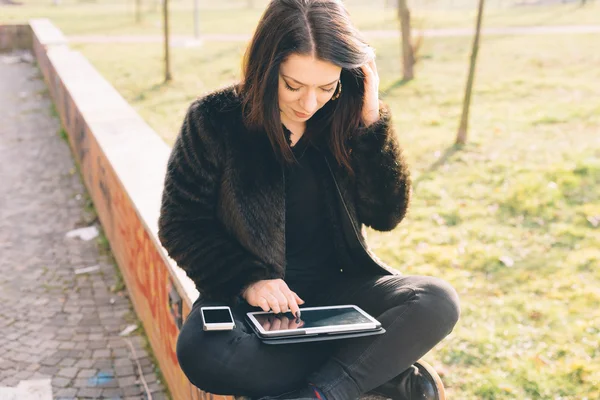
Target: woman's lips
(300, 115)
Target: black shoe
(300, 394)
(419, 382)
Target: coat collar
(253, 191)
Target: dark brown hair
(321, 28)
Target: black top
(310, 252)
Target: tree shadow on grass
(143, 94)
(450, 151)
(393, 86)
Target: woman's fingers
(273, 303)
(264, 304)
(275, 296)
(367, 71)
(283, 301)
(292, 302)
(373, 67)
(370, 71)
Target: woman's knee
(439, 297)
(190, 358)
(216, 362)
(199, 357)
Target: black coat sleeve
(382, 175)
(188, 228)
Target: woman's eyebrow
(300, 83)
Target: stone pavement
(55, 323)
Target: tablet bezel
(365, 326)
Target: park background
(511, 218)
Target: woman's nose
(309, 102)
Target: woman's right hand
(272, 294)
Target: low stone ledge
(123, 164)
(46, 32)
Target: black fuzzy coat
(222, 217)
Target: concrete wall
(123, 163)
(14, 37)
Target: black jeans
(417, 312)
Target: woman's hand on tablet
(272, 294)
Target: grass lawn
(102, 17)
(512, 220)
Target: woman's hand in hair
(272, 294)
(370, 112)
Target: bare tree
(138, 11)
(196, 19)
(168, 75)
(461, 138)
(408, 55)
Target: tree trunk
(461, 138)
(168, 76)
(196, 19)
(138, 11)
(408, 56)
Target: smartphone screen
(218, 316)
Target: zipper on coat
(342, 200)
(284, 222)
(348, 211)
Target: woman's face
(305, 85)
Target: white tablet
(325, 320)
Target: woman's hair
(321, 28)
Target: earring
(337, 92)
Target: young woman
(268, 187)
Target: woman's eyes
(288, 87)
(291, 88)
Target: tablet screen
(312, 318)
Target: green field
(525, 189)
(102, 17)
(512, 219)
